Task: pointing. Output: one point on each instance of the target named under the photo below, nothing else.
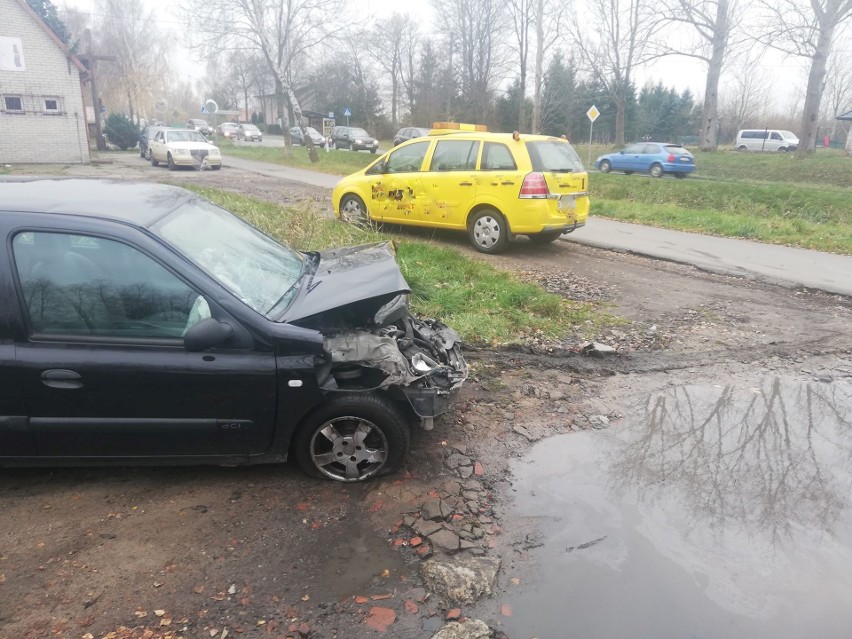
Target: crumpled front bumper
(420, 358)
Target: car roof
(136, 203)
(488, 136)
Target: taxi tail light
(534, 186)
(671, 158)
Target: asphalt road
(767, 262)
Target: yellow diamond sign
(593, 113)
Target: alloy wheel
(349, 448)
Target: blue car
(656, 158)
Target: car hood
(348, 276)
(192, 146)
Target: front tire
(171, 162)
(352, 209)
(742, 147)
(488, 231)
(656, 170)
(545, 237)
(351, 438)
(606, 166)
(154, 161)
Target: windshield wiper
(309, 267)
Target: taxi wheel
(352, 209)
(657, 171)
(545, 237)
(488, 231)
(606, 167)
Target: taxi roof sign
(458, 126)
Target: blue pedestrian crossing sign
(346, 112)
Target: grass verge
(484, 304)
(795, 215)
(334, 162)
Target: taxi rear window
(555, 156)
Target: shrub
(121, 131)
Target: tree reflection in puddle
(766, 457)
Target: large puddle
(714, 512)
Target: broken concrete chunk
(435, 509)
(425, 528)
(463, 581)
(446, 540)
(596, 348)
(456, 460)
(465, 471)
(467, 629)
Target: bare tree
(280, 30)
(129, 32)
(711, 24)
(746, 100)
(806, 29)
(838, 87)
(548, 23)
(523, 16)
(391, 45)
(614, 38)
(476, 29)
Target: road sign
(210, 107)
(593, 113)
(203, 109)
(346, 112)
(331, 115)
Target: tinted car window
(455, 155)
(634, 148)
(407, 159)
(776, 136)
(555, 156)
(651, 149)
(497, 157)
(91, 286)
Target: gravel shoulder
(263, 552)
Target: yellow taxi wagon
(493, 185)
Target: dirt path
(263, 552)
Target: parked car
(297, 138)
(766, 140)
(145, 137)
(145, 324)
(249, 132)
(182, 147)
(227, 129)
(199, 125)
(490, 184)
(409, 133)
(656, 158)
(353, 138)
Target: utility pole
(91, 61)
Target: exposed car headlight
(214, 152)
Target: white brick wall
(34, 137)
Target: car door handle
(465, 183)
(61, 378)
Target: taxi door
(451, 183)
(396, 191)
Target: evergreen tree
(559, 98)
(46, 10)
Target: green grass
(333, 162)
(795, 215)
(484, 304)
(768, 197)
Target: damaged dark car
(144, 324)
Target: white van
(766, 140)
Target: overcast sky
(789, 74)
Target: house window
(13, 103)
(52, 105)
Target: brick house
(42, 118)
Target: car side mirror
(206, 334)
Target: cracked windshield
(447, 319)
